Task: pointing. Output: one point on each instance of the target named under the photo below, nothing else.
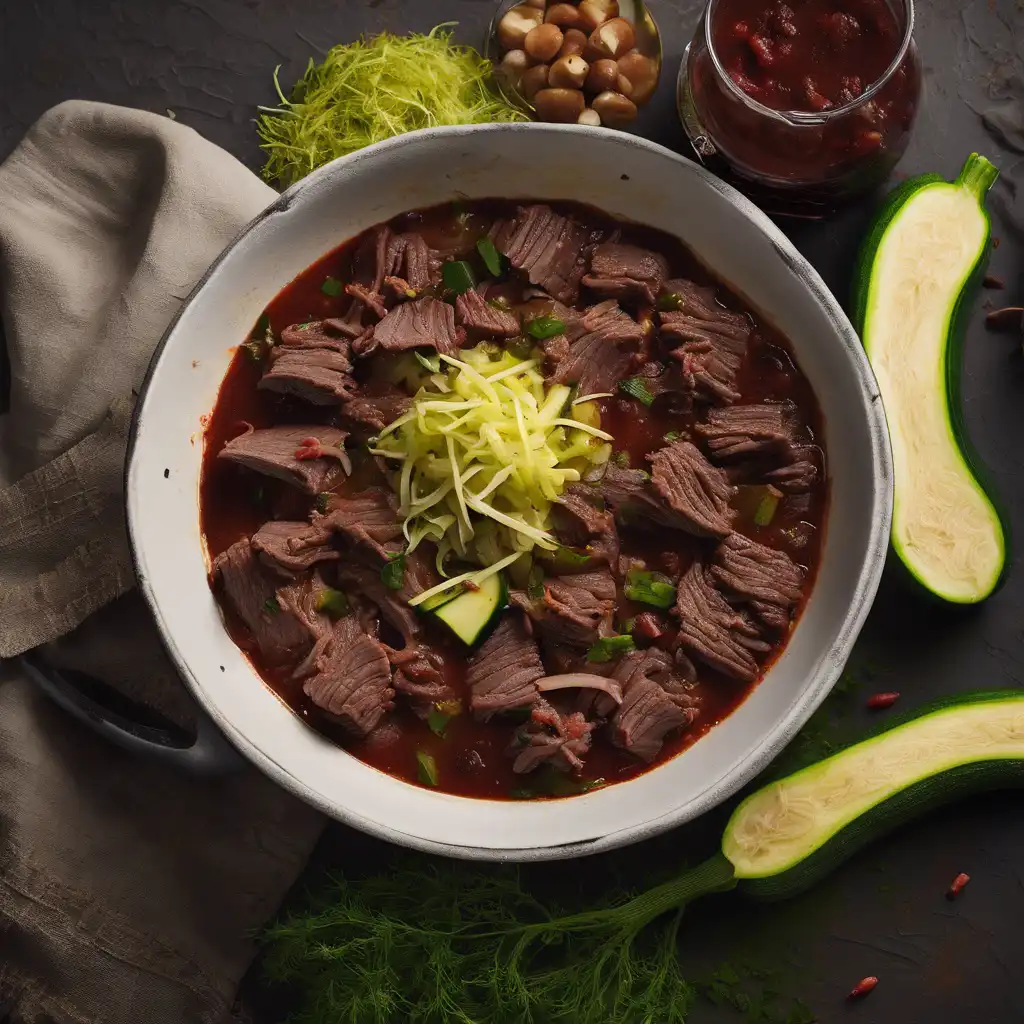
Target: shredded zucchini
(484, 452)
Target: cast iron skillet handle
(209, 754)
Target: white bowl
(622, 175)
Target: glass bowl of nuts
(592, 62)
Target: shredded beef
(474, 313)
(376, 411)
(796, 473)
(768, 582)
(560, 739)
(750, 431)
(372, 301)
(551, 249)
(619, 271)
(410, 259)
(418, 676)
(578, 609)
(694, 488)
(370, 265)
(602, 345)
(580, 523)
(321, 376)
(425, 323)
(352, 683)
(503, 673)
(251, 593)
(272, 451)
(367, 520)
(712, 631)
(327, 334)
(289, 548)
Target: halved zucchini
(927, 250)
(471, 614)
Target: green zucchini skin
(905, 805)
(953, 362)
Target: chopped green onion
(322, 501)
(544, 327)
(393, 573)
(332, 286)
(441, 714)
(333, 602)
(649, 588)
(500, 303)
(566, 560)
(426, 770)
(458, 276)
(490, 255)
(609, 647)
(629, 625)
(636, 388)
(768, 507)
(535, 586)
(431, 363)
(672, 435)
(670, 302)
(621, 459)
(271, 605)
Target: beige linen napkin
(128, 894)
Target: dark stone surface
(210, 61)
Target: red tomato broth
(471, 757)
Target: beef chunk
(750, 431)
(373, 302)
(694, 488)
(352, 683)
(376, 411)
(712, 631)
(474, 313)
(560, 739)
(619, 271)
(368, 521)
(299, 599)
(580, 523)
(289, 548)
(794, 473)
(551, 249)
(329, 334)
(653, 703)
(768, 582)
(577, 610)
(425, 323)
(503, 673)
(371, 263)
(412, 261)
(251, 593)
(602, 344)
(319, 375)
(273, 451)
(708, 341)
(418, 676)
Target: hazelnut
(513, 64)
(613, 39)
(543, 42)
(563, 15)
(533, 80)
(574, 44)
(593, 13)
(568, 73)
(517, 23)
(642, 72)
(614, 109)
(590, 117)
(604, 75)
(563, 106)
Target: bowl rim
(774, 740)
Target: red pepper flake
(881, 701)
(863, 987)
(958, 886)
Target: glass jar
(797, 161)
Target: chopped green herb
(426, 768)
(458, 276)
(271, 605)
(333, 602)
(672, 435)
(636, 388)
(322, 501)
(565, 559)
(768, 506)
(592, 784)
(649, 588)
(670, 302)
(255, 350)
(609, 647)
(259, 331)
(621, 459)
(535, 586)
(500, 303)
(629, 625)
(393, 573)
(332, 286)
(441, 714)
(431, 363)
(520, 347)
(543, 327)
(490, 255)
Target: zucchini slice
(920, 265)
(471, 614)
(792, 832)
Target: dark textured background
(210, 62)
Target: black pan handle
(208, 754)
